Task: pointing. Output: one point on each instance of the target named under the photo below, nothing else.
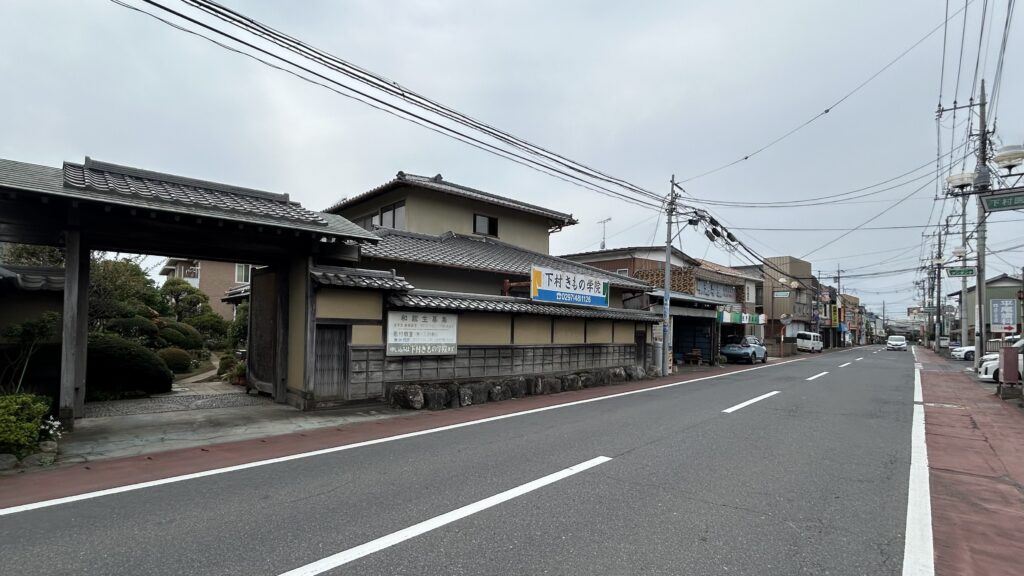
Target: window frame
(490, 220)
(247, 275)
(622, 271)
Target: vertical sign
(422, 334)
(1004, 316)
(548, 285)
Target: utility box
(1009, 365)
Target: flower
(51, 428)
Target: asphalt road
(812, 480)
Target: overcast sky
(641, 90)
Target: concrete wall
(532, 330)
(484, 329)
(298, 289)
(569, 331)
(349, 304)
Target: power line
(829, 108)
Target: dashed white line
(816, 376)
(918, 396)
(342, 558)
(749, 402)
(845, 365)
(918, 551)
(858, 359)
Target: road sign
(961, 272)
(1004, 314)
(928, 309)
(780, 294)
(1004, 201)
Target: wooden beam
(74, 320)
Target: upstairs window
(392, 216)
(485, 225)
(242, 272)
(622, 271)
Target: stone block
(465, 396)
(407, 396)
(535, 385)
(552, 385)
(617, 374)
(571, 382)
(498, 392)
(38, 459)
(515, 386)
(480, 391)
(587, 380)
(8, 461)
(435, 398)
(48, 446)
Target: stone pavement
(976, 469)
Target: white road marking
(913, 350)
(918, 366)
(342, 558)
(918, 396)
(816, 376)
(858, 359)
(845, 365)
(322, 451)
(749, 402)
(918, 552)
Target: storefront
(735, 325)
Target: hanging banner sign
(549, 285)
(741, 318)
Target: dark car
(746, 349)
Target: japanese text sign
(547, 285)
(423, 333)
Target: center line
(749, 402)
(342, 558)
(844, 365)
(861, 358)
(817, 376)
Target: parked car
(896, 343)
(1018, 344)
(746, 349)
(808, 341)
(990, 370)
(963, 353)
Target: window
(485, 225)
(390, 216)
(242, 272)
(622, 271)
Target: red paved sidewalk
(56, 483)
(976, 468)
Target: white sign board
(715, 291)
(1004, 315)
(422, 334)
(549, 285)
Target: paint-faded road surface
(799, 468)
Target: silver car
(746, 349)
(896, 343)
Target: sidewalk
(75, 479)
(976, 469)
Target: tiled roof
(360, 278)
(436, 300)
(236, 294)
(478, 253)
(439, 184)
(33, 277)
(726, 270)
(126, 186)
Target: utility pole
(963, 281)
(666, 300)
(842, 306)
(604, 228)
(982, 183)
(939, 313)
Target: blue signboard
(843, 327)
(547, 285)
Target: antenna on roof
(604, 227)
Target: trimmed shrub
(118, 368)
(210, 325)
(176, 359)
(21, 415)
(134, 327)
(181, 335)
(227, 362)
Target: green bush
(226, 364)
(134, 327)
(118, 368)
(193, 337)
(238, 333)
(210, 325)
(21, 416)
(176, 359)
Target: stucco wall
(436, 213)
(569, 331)
(599, 332)
(214, 279)
(351, 304)
(366, 335)
(625, 333)
(532, 330)
(482, 328)
(439, 278)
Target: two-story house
(459, 287)
(211, 277)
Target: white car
(990, 370)
(995, 355)
(896, 343)
(962, 353)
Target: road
(679, 480)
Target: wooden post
(75, 323)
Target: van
(808, 341)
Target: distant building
(213, 278)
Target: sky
(640, 90)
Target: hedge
(210, 325)
(176, 359)
(118, 368)
(134, 327)
(21, 415)
(227, 362)
(181, 335)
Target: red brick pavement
(976, 468)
